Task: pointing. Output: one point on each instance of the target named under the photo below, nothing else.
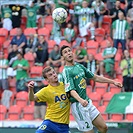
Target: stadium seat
(131, 46)
(129, 117)
(6, 45)
(39, 22)
(114, 89)
(29, 31)
(22, 98)
(28, 112)
(89, 90)
(14, 112)
(51, 44)
(102, 111)
(71, 116)
(3, 112)
(12, 85)
(29, 56)
(117, 60)
(3, 35)
(99, 34)
(45, 32)
(13, 33)
(48, 22)
(119, 74)
(92, 47)
(99, 57)
(106, 98)
(64, 42)
(101, 88)
(61, 69)
(106, 23)
(116, 117)
(36, 71)
(95, 97)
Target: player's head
(66, 53)
(50, 75)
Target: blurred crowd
(85, 17)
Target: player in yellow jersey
(58, 105)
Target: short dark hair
(46, 70)
(62, 48)
(20, 53)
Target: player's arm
(32, 97)
(102, 79)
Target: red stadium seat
(51, 44)
(116, 117)
(6, 45)
(64, 42)
(92, 47)
(29, 56)
(13, 33)
(102, 111)
(12, 85)
(107, 97)
(28, 112)
(36, 71)
(131, 46)
(3, 35)
(95, 97)
(3, 112)
(61, 69)
(99, 34)
(71, 116)
(44, 31)
(89, 90)
(29, 31)
(48, 22)
(129, 117)
(22, 98)
(99, 57)
(117, 60)
(14, 112)
(101, 88)
(106, 23)
(114, 89)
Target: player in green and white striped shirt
(120, 31)
(84, 112)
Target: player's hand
(31, 85)
(118, 84)
(84, 103)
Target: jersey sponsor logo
(79, 75)
(62, 97)
(82, 84)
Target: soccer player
(58, 105)
(84, 112)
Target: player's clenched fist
(31, 85)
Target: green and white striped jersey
(69, 32)
(120, 27)
(75, 79)
(3, 72)
(85, 15)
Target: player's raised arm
(32, 97)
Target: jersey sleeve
(88, 73)
(41, 95)
(68, 81)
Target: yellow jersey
(58, 105)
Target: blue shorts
(48, 126)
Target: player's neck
(70, 63)
(54, 84)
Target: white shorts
(84, 115)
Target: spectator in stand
(108, 60)
(31, 42)
(80, 55)
(20, 40)
(85, 20)
(114, 12)
(3, 72)
(126, 66)
(39, 107)
(130, 20)
(32, 14)
(61, 3)
(16, 15)
(99, 8)
(69, 32)
(55, 57)
(40, 51)
(7, 17)
(12, 56)
(21, 66)
(120, 31)
(93, 65)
